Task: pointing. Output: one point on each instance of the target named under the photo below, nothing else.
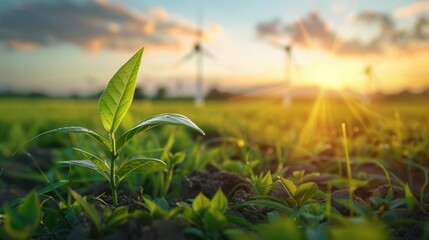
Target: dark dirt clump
(382, 190)
(210, 180)
(124, 200)
(410, 230)
(343, 195)
(253, 214)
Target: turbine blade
(209, 54)
(185, 58)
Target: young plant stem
(328, 201)
(349, 168)
(167, 181)
(114, 154)
(69, 196)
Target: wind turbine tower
(287, 49)
(288, 74)
(199, 52)
(370, 82)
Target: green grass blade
(89, 210)
(74, 129)
(117, 97)
(141, 165)
(154, 121)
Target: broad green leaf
(118, 217)
(162, 203)
(141, 165)
(89, 210)
(117, 97)
(288, 185)
(305, 191)
(219, 201)
(86, 164)
(22, 223)
(200, 203)
(154, 121)
(100, 163)
(155, 211)
(214, 220)
(74, 129)
(178, 158)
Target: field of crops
(250, 169)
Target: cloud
(269, 29)
(411, 9)
(312, 31)
(91, 25)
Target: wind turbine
(370, 81)
(287, 49)
(286, 84)
(199, 52)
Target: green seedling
(157, 209)
(106, 224)
(385, 206)
(114, 103)
(261, 183)
(208, 215)
(299, 195)
(299, 176)
(22, 223)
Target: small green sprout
(299, 195)
(114, 103)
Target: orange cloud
(312, 30)
(411, 9)
(92, 25)
(22, 45)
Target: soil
(339, 196)
(253, 214)
(210, 180)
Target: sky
(64, 47)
